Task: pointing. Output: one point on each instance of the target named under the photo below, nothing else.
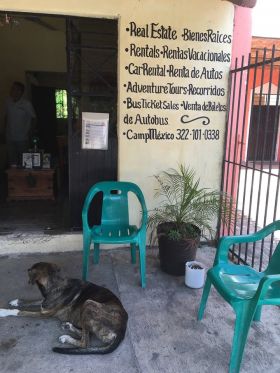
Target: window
(262, 143)
(61, 103)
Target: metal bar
(230, 134)
(241, 154)
(232, 160)
(69, 97)
(262, 158)
(234, 255)
(246, 168)
(271, 153)
(276, 201)
(69, 85)
(252, 168)
(235, 138)
(258, 64)
(268, 49)
(275, 135)
(71, 29)
(224, 152)
(254, 158)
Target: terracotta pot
(174, 254)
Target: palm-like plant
(186, 206)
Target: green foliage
(184, 204)
(61, 103)
(175, 234)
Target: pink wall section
(241, 46)
(242, 33)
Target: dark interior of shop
(36, 192)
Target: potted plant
(185, 213)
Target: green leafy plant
(186, 206)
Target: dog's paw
(64, 338)
(6, 312)
(14, 303)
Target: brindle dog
(84, 308)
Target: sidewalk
(163, 335)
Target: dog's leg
(4, 312)
(67, 326)
(26, 305)
(99, 319)
(7, 312)
(82, 343)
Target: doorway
(262, 142)
(92, 87)
(73, 69)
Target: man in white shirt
(19, 116)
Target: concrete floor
(163, 334)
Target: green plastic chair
(245, 289)
(115, 227)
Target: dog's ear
(34, 272)
(43, 272)
(33, 275)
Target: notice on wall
(175, 82)
(95, 130)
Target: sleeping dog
(84, 308)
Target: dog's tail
(102, 350)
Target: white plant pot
(195, 277)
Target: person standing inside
(18, 117)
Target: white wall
(139, 160)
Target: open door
(92, 87)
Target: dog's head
(43, 274)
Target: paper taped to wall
(95, 130)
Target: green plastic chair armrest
(264, 284)
(144, 219)
(143, 224)
(226, 242)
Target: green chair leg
(142, 260)
(96, 252)
(242, 325)
(133, 253)
(86, 250)
(257, 315)
(204, 298)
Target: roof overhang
(244, 3)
